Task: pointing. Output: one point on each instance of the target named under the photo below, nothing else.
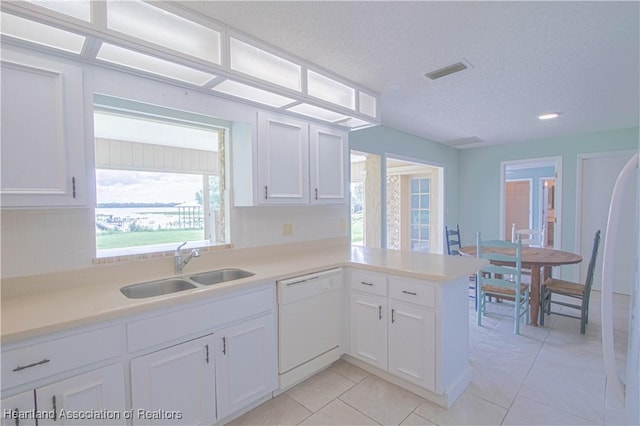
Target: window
(420, 214)
(159, 179)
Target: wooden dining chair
(453, 249)
(572, 290)
(453, 240)
(503, 282)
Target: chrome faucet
(179, 262)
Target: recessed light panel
(140, 61)
(317, 112)
(263, 65)
(330, 90)
(38, 33)
(367, 104)
(80, 9)
(355, 123)
(252, 93)
(149, 23)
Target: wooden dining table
(539, 261)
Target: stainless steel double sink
(173, 285)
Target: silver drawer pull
(366, 283)
(409, 292)
(23, 367)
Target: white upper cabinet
(283, 165)
(288, 162)
(42, 132)
(327, 165)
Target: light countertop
(56, 302)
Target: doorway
(597, 174)
(518, 204)
(366, 196)
(414, 206)
(529, 190)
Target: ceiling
(526, 58)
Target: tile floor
(548, 375)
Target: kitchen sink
(156, 288)
(220, 276)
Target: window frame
(168, 114)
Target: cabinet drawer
(34, 362)
(416, 292)
(369, 282)
(184, 322)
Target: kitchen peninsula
(44, 316)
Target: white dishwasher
(310, 323)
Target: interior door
(596, 186)
(518, 205)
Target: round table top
(533, 255)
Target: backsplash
(54, 240)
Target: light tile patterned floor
(548, 375)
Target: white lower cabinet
(15, 410)
(245, 361)
(412, 332)
(208, 361)
(175, 385)
(98, 393)
(369, 328)
(392, 335)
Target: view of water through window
(137, 208)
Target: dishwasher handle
(292, 283)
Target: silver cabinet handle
(393, 316)
(55, 413)
(224, 345)
(366, 283)
(265, 192)
(206, 348)
(23, 367)
(316, 193)
(409, 292)
(380, 312)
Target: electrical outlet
(287, 229)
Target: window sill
(152, 252)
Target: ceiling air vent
(459, 143)
(442, 72)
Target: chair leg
(543, 306)
(516, 310)
(480, 306)
(584, 311)
(527, 307)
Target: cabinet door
(412, 343)
(42, 132)
(97, 391)
(246, 366)
(283, 160)
(177, 379)
(16, 410)
(369, 329)
(328, 153)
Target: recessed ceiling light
(548, 115)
